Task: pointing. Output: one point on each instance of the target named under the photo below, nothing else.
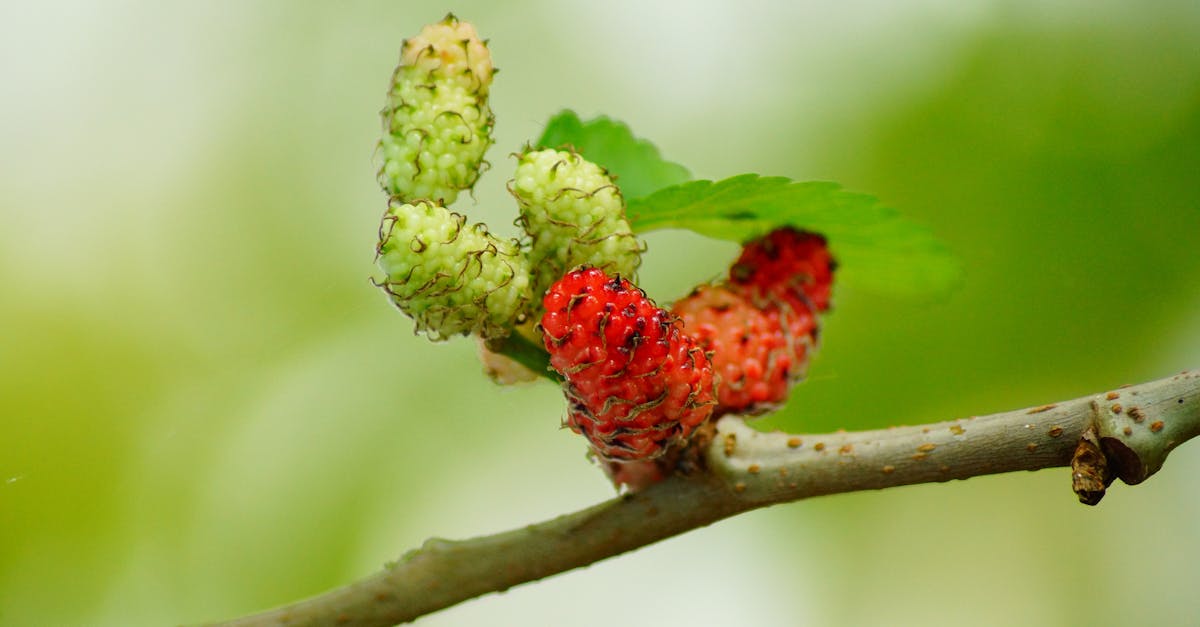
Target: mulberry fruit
(757, 353)
(449, 277)
(636, 384)
(574, 215)
(761, 327)
(789, 264)
(437, 122)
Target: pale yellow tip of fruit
(451, 49)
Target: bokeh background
(205, 408)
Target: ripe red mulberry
(636, 384)
(757, 353)
(789, 264)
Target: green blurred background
(205, 408)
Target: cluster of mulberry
(455, 279)
(640, 380)
(637, 377)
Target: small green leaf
(638, 167)
(876, 247)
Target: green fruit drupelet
(450, 277)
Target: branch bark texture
(1130, 431)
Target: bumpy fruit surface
(450, 51)
(574, 215)
(451, 278)
(437, 123)
(757, 353)
(635, 383)
(786, 264)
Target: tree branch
(1125, 433)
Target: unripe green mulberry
(574, 215)
(437, 123)
(451, 278)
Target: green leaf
(875, 246)
(636, 164)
